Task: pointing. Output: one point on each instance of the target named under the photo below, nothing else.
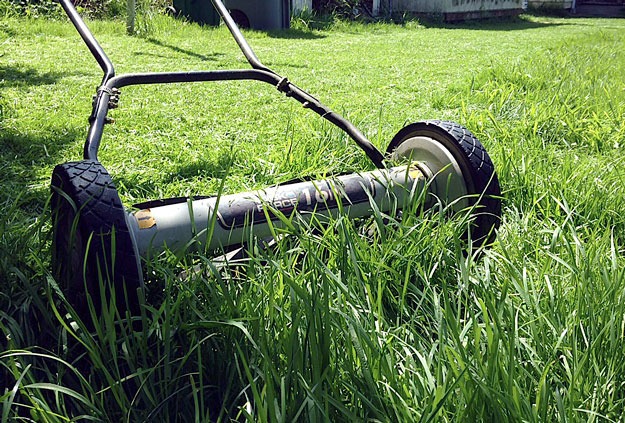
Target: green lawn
(390, 324)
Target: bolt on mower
(96, 238)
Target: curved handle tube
(93, 45)
(238, 37)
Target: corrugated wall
(455, 6)
(299, 5)
(550, 4)
(436, 6)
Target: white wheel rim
(446, 181)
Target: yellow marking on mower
(415, 173)
(145, 219)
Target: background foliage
(92, 8)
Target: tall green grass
(376, 320)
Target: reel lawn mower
(96, 239)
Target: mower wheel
(478, 171)
(92, 250)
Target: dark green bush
(32, 8)
(344, 8)
(51, 8)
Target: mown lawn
(389, 323)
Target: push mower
(96, 239)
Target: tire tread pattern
(101, 216)
(468, 150)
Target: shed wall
(550, 4)
(455, 6)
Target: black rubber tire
(91, 241)
(477, 169)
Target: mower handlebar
(260, 72)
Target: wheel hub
(447, 181)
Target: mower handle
(108, 92)
(93, 45)
(246, 49)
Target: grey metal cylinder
(218, 222)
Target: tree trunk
(131, 12)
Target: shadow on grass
(10, 32)
(24, 193)
(517, 23)
(295, 33)
(21, 76)
(594, 11)
(214, 167)
(203, 57)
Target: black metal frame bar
(107, 93)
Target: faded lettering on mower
(303, 197)
(281, 200)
